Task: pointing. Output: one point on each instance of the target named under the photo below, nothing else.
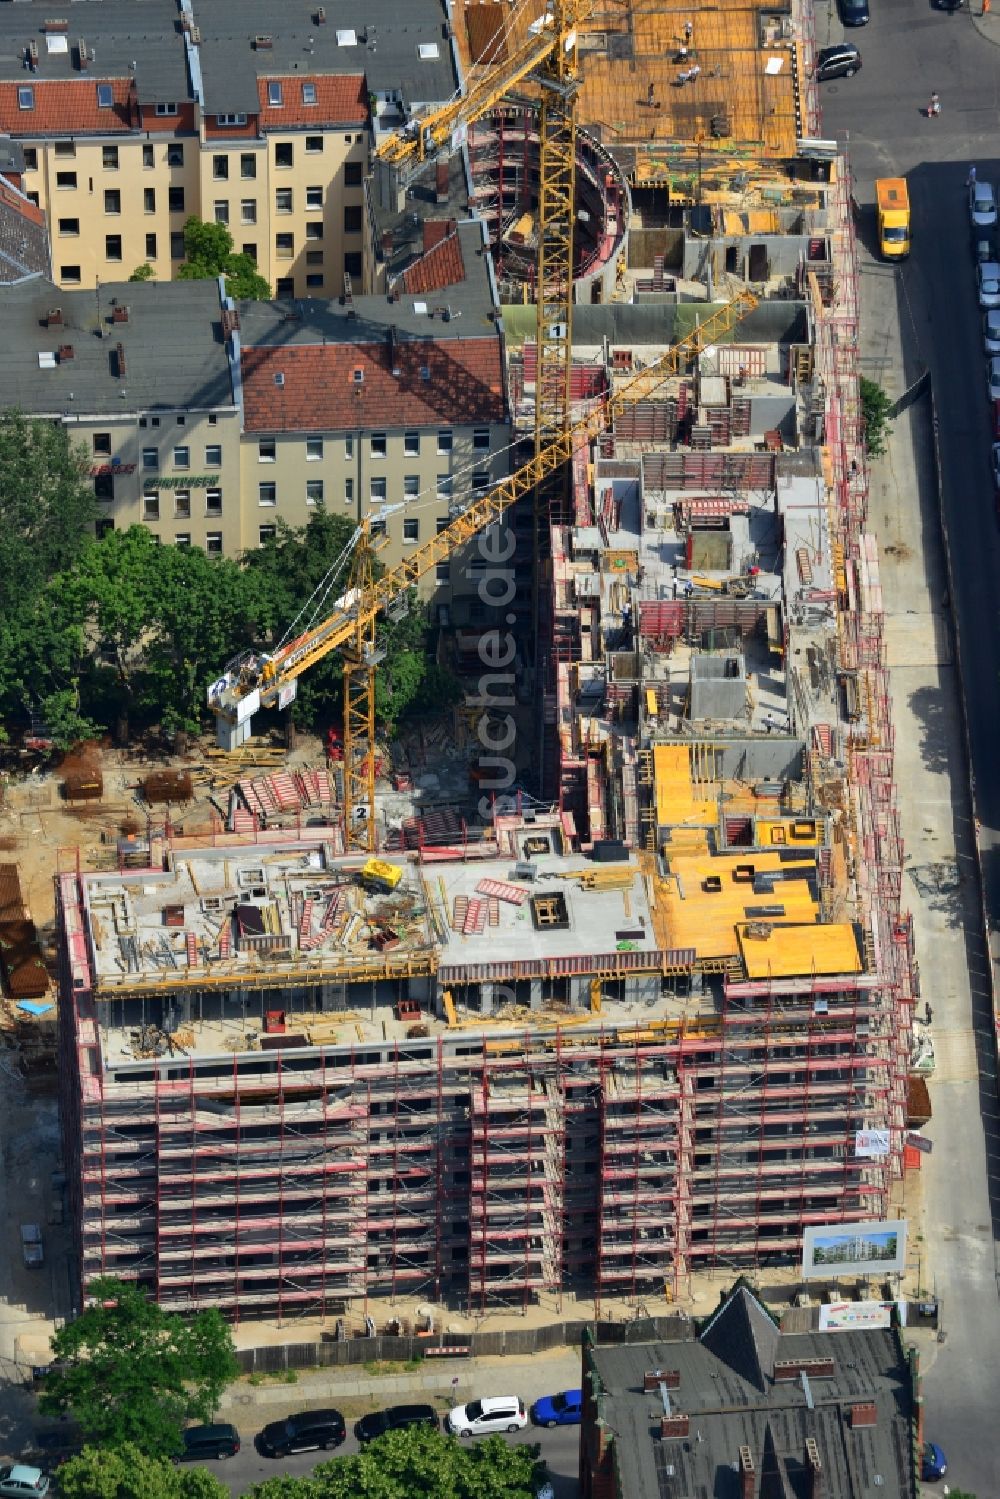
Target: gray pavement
(944, 651)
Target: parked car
(492, 1413)
(993, 378)
(18, 1481)
(983, 248)
(854, 12)
(842, 60)
(982, 205)
(989, 283)
(376, 1423)
(32, 1248)
(996, 421)
(303, 1432)
(991, 331)
(564, 1409)
(201, 1442)
(933, 1464)
(949, 5)
(995, 454)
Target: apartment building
(209, 423)
(130, 121)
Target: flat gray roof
(172, 341)
(385, 50)
(117, 32)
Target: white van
(494, 1413)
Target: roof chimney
(675, 1426)
(865, 1413)
(119, 313)
(814, 1470)
(64, 352)
(441, 172)
(748, 1474)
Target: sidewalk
(444, 1384)
(988, 25)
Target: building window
(411, 444)
(250, 249)
(175, 199)
(411, 529)
(221, 210)
(182, 539)
(105, 97)
(150, 458)
(481, 439)
(284, 287)
(102, 443)
(182, 457)
(149, 200)
(314, 257)
(314, 491)
(220, 168)
(231, 119)
(182, 504)
(112, 200)
(480, 480)
(66, 180)
(109, 158)
(378, 528)
(175, 156)
(181, 420)
(213, 543)
(445, 440)
(274, 95)
(266, 534)
(353, 219)
(154, 421)
(314, 197)
(284, 246)
(442, 573)
(309, 93)
(353, 264)
(166, 109)
(65, 148)
(103, 527)
(314, 449)
(70, 274)
(151, 507)
(284, 155)
(314, 231)
(150, 246)
(248, 211)
(26, 98)
(411, 486)
(113, 246)
(283, 200)
(248, 165)
(442, 523)
(30, 159)
(348, 491)
(148, 159)
(315, 280)
(378, 445)
(267, 494)
(266, 450)
(314, 145)
(213, 501)
(213, 419)
(353, 173)
(69, 227)
(348, 447)
(213, 455)
(445, 486)
(377, 492)
(177, 245)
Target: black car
(842, 60)
(201, 1442)
(377, 1423)
(949, 5)
(302, 1433)
(854, 12)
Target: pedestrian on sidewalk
(934, 107)
(986, 8)
(970, 181)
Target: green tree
(127, 1472)
(130, 1372)
(209, 253)
(876, 408)
(143, 272)
(47, 507)
(419, 1463)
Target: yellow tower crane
(253, 680)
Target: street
(925, 315)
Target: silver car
(995, 454)
(982, 205)
(991, 331)
(989, 284)
(993, 378)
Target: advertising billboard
(876, 1248)
(855, 1316)
(871, 1144)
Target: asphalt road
(560, 1449)
(908, 51)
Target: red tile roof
(19, 203)
(68, 105)
(340, 100)
(442, 266)
(320, 391)
(435, 230)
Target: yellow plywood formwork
(789, 832)
(707, 919)
(789, 951)
(676, 802)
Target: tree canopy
(126, 1472)
(417, 1463)
(130, 1372)
(209, 253)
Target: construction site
(632, 1027)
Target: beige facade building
(130, 126)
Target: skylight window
(26, 98)
(428, 51)
(309, 93)
(274, 95)
(347, 38)
(105, 96)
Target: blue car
(564, 1409)
(933, 1465)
